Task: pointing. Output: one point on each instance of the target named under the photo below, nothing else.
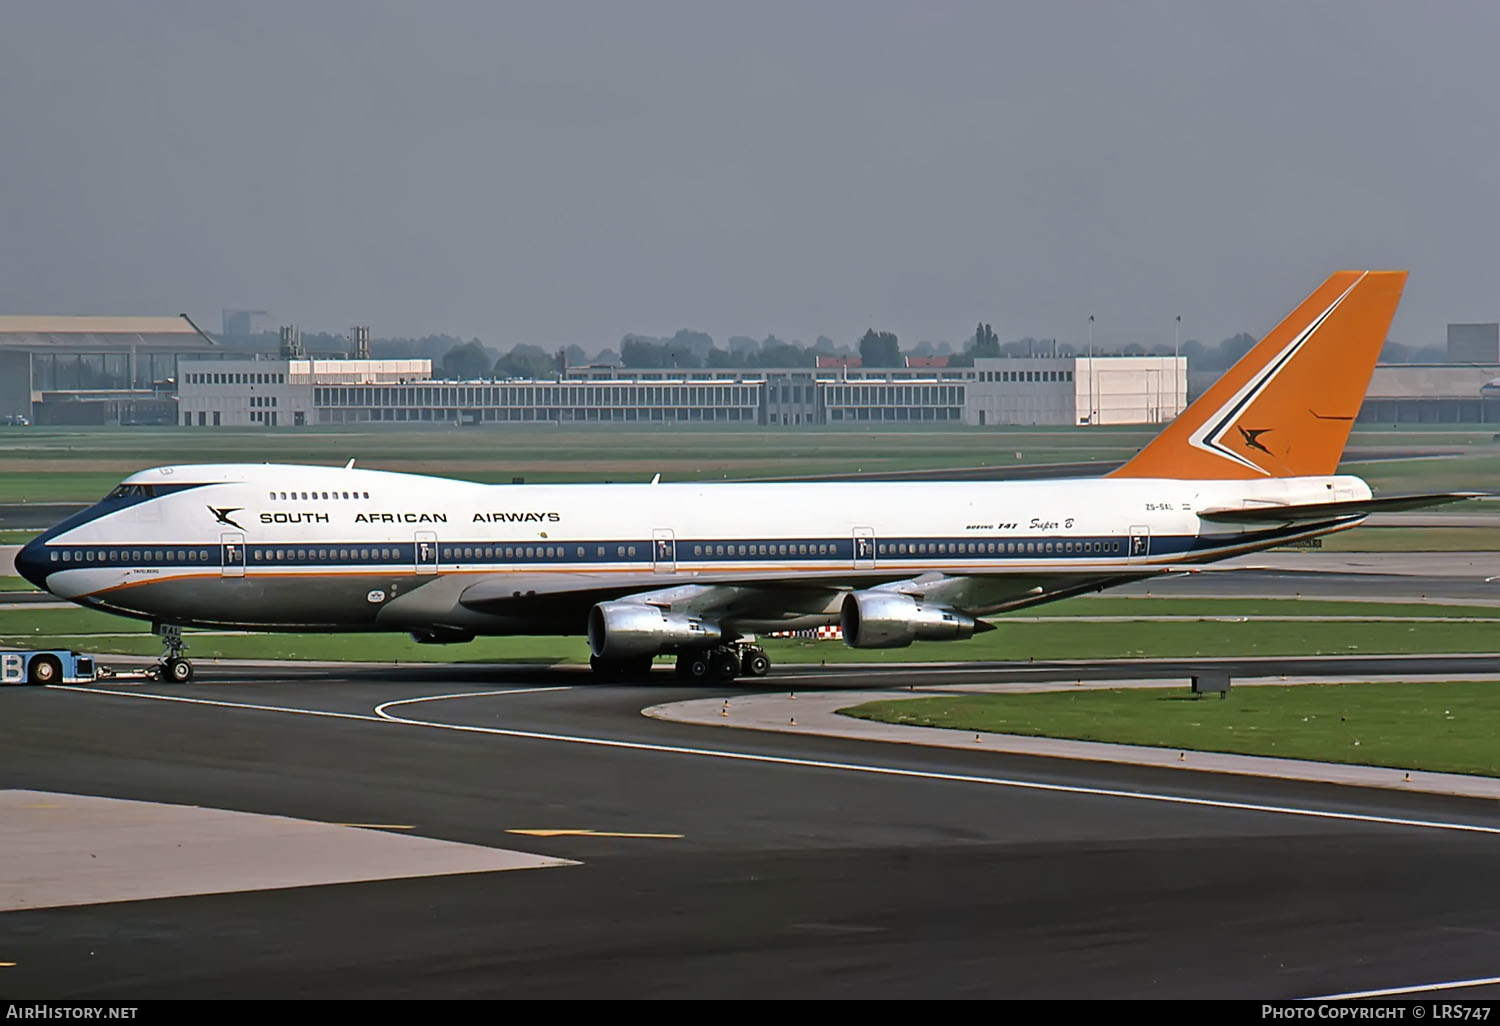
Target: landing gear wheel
(726, 666)
(44, 670)
(172, 667)
(699, 665)
(756, 663)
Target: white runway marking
(781, 760)
(1394, 991)
(380, 709)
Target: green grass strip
(1194, 633)
(1451, 727)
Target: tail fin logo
(1251, 438)
(1210, 436)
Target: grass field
(1183, 628)
(60, 464)
(15, 584)
(1449, 727)
(1475, 471)
(1123, 605)
(77, 465)
(1415, 539)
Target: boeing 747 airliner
(697, 570)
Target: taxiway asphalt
(731, 863)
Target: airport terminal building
(266, 392)
(1428, 393)
(1464, 390)
(95, 370)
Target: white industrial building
(1076, 390)
(270, 392)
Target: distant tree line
(694, 350)
(456, 359)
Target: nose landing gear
(172, 666)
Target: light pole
(1091, 370)
(1177, 403)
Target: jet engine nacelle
(619, 630)
(887, 619)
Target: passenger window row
(457, 552)
(776, 549)
(453, 553)
(342, 554)
(288, 496)
(997, 548)
(86, 556)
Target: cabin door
(232, 555)
(1140, 541)
(663, 551)
(426, 552)
(864, 548)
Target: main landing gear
(723, 662)
(720, 663)
(173, 667)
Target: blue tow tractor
(55, 666)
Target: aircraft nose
(32, 563)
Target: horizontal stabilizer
(1333, 510)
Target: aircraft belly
(270, 602)
(434, 601)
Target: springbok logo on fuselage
(222, 515)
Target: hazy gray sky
(559, 172)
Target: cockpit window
(137, 492)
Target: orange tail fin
(1285, 409)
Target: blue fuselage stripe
(647, 552)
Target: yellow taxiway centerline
(588, 833)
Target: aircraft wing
(763, 600)
(989, 593)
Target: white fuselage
(288, 547)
